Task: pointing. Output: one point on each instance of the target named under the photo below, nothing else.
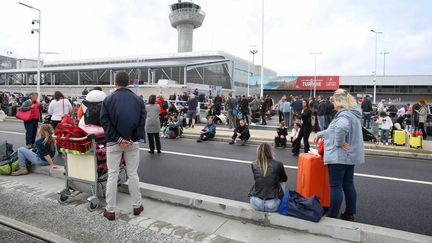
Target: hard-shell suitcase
(312, 178)
(416, 142)
(399, 137)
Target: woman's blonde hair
(46, 132)
(264, 154)
(342, 99)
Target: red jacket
(162, 111)
(35, 110)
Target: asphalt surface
(225, 172)
(11, 235)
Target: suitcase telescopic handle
(90, 136)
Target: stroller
(369, 136)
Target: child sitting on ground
(282, 132)
(386, 124)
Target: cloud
(338, 28)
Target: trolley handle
(89, 136)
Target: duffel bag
(294, 204)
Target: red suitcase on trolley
(312, 178)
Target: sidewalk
(223, 133)
(176, 222)
(205, 218)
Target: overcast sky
(338, 28)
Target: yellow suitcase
(416, 142)
(399, 137)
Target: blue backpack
(294, 204)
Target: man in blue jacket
(209, 130)
(123, 117)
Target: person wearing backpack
(162, 110)
(42, 156)
(58, 107)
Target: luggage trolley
(81, 172)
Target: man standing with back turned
(123, 117)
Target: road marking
(286, 166)
(291, 167)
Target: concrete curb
(32, 231)
(334, 228)
(368, 151)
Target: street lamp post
(376, 56)
(38, 30)
(384, 53)
(262, 50)
(252, 51)
(314, 84)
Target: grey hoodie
(345, 128)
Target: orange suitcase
(312, 178)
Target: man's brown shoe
(137, 211)
(109, 215)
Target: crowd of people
(336, 119)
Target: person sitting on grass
(45, 151)
(242, 132)
(282, 132)
(268, 174)
(209, 130)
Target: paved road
(393, 193)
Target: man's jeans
(271, 205)
(341, 179)
(26, 154)
(322, 122)
(384, 135)
(131, 156)
(287, 119)
(366, 119)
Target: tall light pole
(314, 84)
(262, 50)
(376, 56)
(384, 53)
(38, 30)
(253, 51)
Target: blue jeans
(328, 119)
(341, 179)
(384, 135)
(271, 205)
(367, 119)
(26, 154)
(322, 122)
(287, 118)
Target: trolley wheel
(61, 198)
(92, 206)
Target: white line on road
(290, 167)
(286, 166)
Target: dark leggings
(31, 130)
(304, 133)
(422, 128)
(152, 137)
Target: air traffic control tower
(185, 17)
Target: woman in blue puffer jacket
(343, 149)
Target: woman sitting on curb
(268, 175)
(45, 151)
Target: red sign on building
(322, 82)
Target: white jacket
(385, 122)
(59, 108)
